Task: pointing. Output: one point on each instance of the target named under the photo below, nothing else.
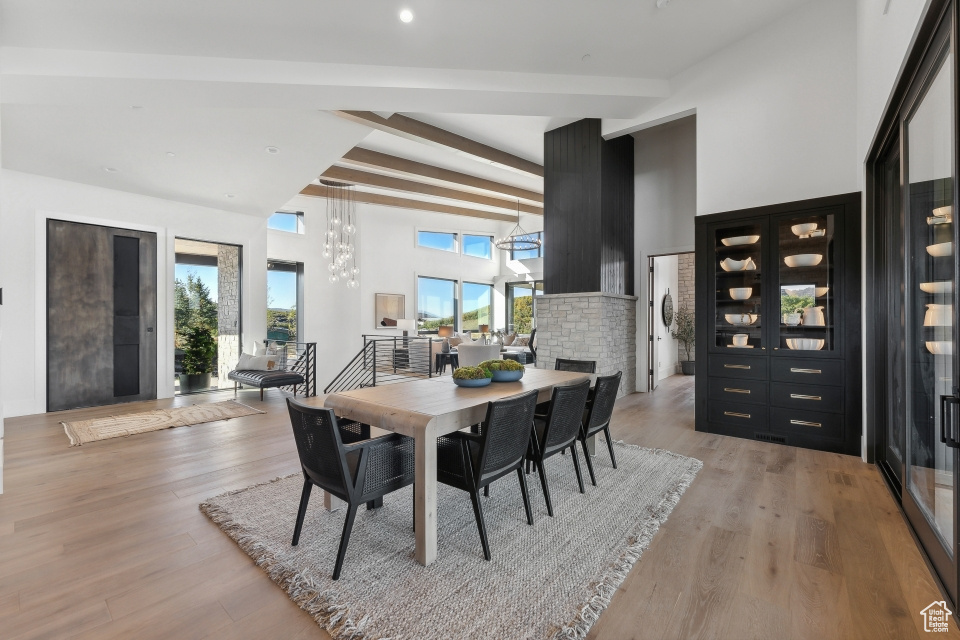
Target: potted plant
(685, 334)
(198, 350)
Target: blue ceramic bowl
(482, 382)
(507, 376)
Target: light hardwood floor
(106, 541)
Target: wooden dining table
(430, 408)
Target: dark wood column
(588, 211)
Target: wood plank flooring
(106, 541)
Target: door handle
(946, 439)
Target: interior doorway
(670, 288)
(206, 316)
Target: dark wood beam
(403, 126)
(367, 159)
(355, 176)
(321, 191)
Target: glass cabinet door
(929, 498)
(738, 319)
(806, 264)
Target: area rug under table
(552, 579)
(83, 431)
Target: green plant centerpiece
(504, 370)
(472, 377)
(199, 348)
(686, 334)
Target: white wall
(665, 278)
(665, 205)
(776, 112)
(336, 317)
(27, 201)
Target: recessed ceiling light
(135, 106)
(662, 3)
(230, 195)
(110, 169)
(273, 150)
(585, 58)
(406, 15)
(171, 154)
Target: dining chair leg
(526, 495)
(586, 454)
(613, 457)
(576, 467)
(345, 539)
(546, 489)
(376, 503)
(414, 511)
(304, 500)
(486, 491)
(481, 526)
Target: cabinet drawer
(738, 367)
(737, 391)
(807, 371)
(806, 397)
(810, 424)
(741, 415)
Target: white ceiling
(219, 80)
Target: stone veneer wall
(589, 326)
(228, 311)
(685, 294)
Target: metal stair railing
(386, 360)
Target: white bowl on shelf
(821, 291)
(740, 339)
(741, 293)
(803, 229)
(804, 344)
(941, 215)
(741, 319)
(940, 347)
(728, 264)
(938, 315)
(737, 241)
(940, 250)
(803, 260)
(942, 286)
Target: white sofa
(470, 355)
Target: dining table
(426, 409)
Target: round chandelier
(340, 245)
(518, 239)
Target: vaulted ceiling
(182, 98)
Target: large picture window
(436, 303)
(477, 306)
(478, 246)
(438, 240)
(520, 308)
(529, 253)
(284, 300)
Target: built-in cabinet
(778, 310)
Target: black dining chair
(557, 430)
(579, 366)
(335, 456)
(471, 461)
(596, 417)
(532, 344)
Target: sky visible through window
(283, 222)
(434, 240)
(435, 301)
(207, 275)
(477, 246)
(281, 289)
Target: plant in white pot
(686, 334)
(198, 351)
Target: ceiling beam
(403, 126)
(320, 191)
(355, 176)
(367, 159)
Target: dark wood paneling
(92, 302)
(588, 211)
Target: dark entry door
(101, 315)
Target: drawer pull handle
(734, 414)
(736, 366)
(804, 423)
(731, 390)
(795, 370)
(800, 396)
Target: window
(284, 300)
(530, 253)
(284, 221)
(438, 240)
(478, 246)
(521, 312)
(436, 303)
(477, 306)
